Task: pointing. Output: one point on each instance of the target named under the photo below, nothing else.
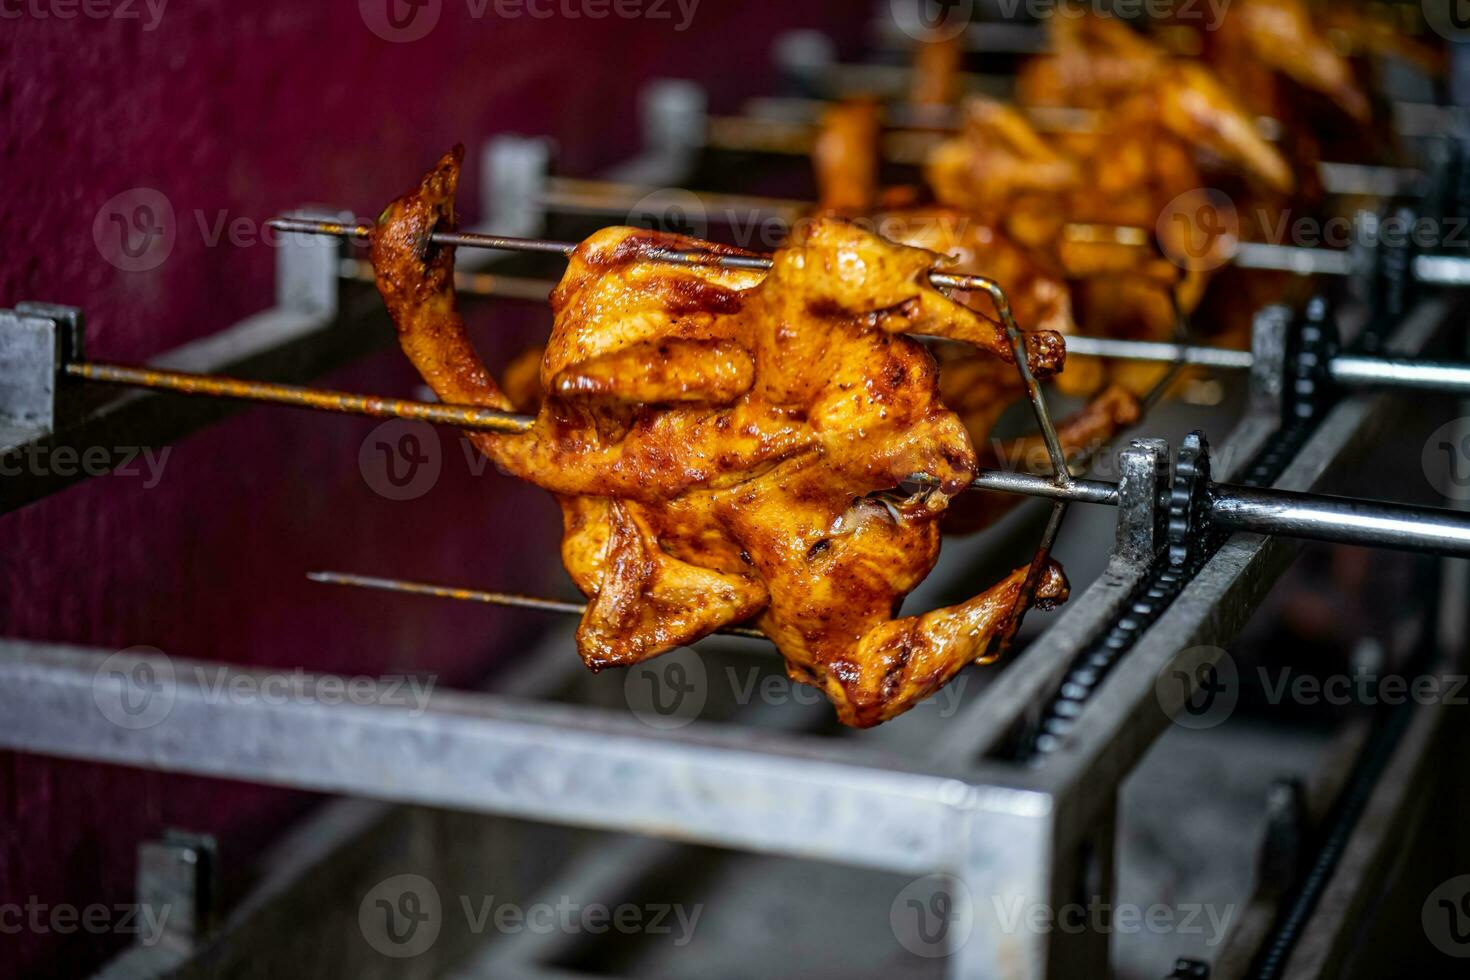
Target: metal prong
(488, 598)
(363, 232)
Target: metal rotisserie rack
(1014, 801)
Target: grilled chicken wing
(725, 444)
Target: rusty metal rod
(346, 403)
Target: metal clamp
(178, 879)
(514, 171)
(307, 268)
(36, 340)
(1143, 479)
(673, 112)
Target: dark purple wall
(240, 110)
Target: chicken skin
(727, 445)
(978, 387)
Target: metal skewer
(1349, 521)
(606, 197)
(1348, 370)
(760, 263)
(1316, 516)
(917, 130)
(1319, 517)
(476, 595)
(473, 283)
(345, 403)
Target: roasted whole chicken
(729, 445)
(1260, 41)
(979, 388)
(1165, 132)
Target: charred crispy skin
(785, 402)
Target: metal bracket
(178, 878)
(1143, 479)
(32, 351)
(673, 114)
(514, 171)
(1269, 331)
(1388, 277)
(804, 61)
(1280, 856)
(307, 266)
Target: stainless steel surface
(1003, 832)
(178, 880)
(1075, 491)
(1355, 371)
